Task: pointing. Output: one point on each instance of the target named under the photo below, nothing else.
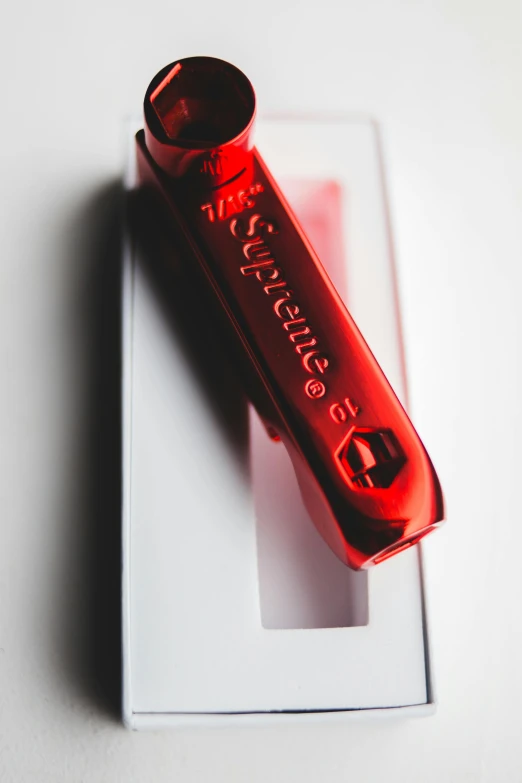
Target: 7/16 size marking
(237, 202)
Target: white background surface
(445, 78)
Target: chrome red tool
(364, 474)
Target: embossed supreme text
(262, 265)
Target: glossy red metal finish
(364, 474)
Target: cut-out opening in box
(302, 584)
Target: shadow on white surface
(88, 639)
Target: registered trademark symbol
(315, 388)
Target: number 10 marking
(340, 411)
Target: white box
(234, 610)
